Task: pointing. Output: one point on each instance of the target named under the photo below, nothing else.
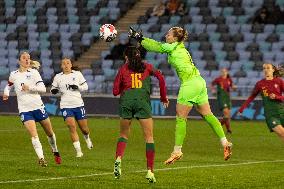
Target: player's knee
(72, 127)
(181, 120)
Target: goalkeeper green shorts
(193, 92)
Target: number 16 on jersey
(136, 80)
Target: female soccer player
(70, 83)
(224, 84)
(133, 85)
(271, 89)
(28, 84)
(193, 89)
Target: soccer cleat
(42, 162)
(150, 177)
(117, 168)
(79, 154)
(229, 131)
(57, 157)
(174, 157)
(228, 151)
(89, 143)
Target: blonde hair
(180, 33)
(35, 64)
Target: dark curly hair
(278, 70)
(135, 63)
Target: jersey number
(135, 80)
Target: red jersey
(223, 83)
(266, 88)
(131, 85)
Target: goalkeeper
(192, 92)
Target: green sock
(215, 125)
(180, 130)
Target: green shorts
(193, 92)
(140, 109)
(274, 120)
(224, 102)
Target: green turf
(202, 151)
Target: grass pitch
(257, 161)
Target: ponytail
(75, 68)
(278, 71)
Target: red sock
(227, 124)
(222, 121)
(150, 155)
(120, 147)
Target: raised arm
(155, 46)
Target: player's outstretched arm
(150, 44)
(250, 99)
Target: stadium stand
(51, 29)
(223, 33)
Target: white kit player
(69, 83)
(28, 84)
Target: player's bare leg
(31, 128)
(227, 119)
(279, 130)
(147, 127)
(121, 145)
(83, 125)
(214, 123)
(47, 127)
(181, 118)
(70, 121)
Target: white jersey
(30, 100)
(70, 98)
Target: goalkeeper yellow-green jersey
(178, 57)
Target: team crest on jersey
(64, 113)
(276, 86)
(74, 78)
(273, 122)
(28, 77)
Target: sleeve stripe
(83, 82)
(39, 82)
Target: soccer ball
(108, 32)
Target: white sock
(38, 147)
(52, 142)
(77, 146)
(177, 148)
(86, 137)
(224, 141)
